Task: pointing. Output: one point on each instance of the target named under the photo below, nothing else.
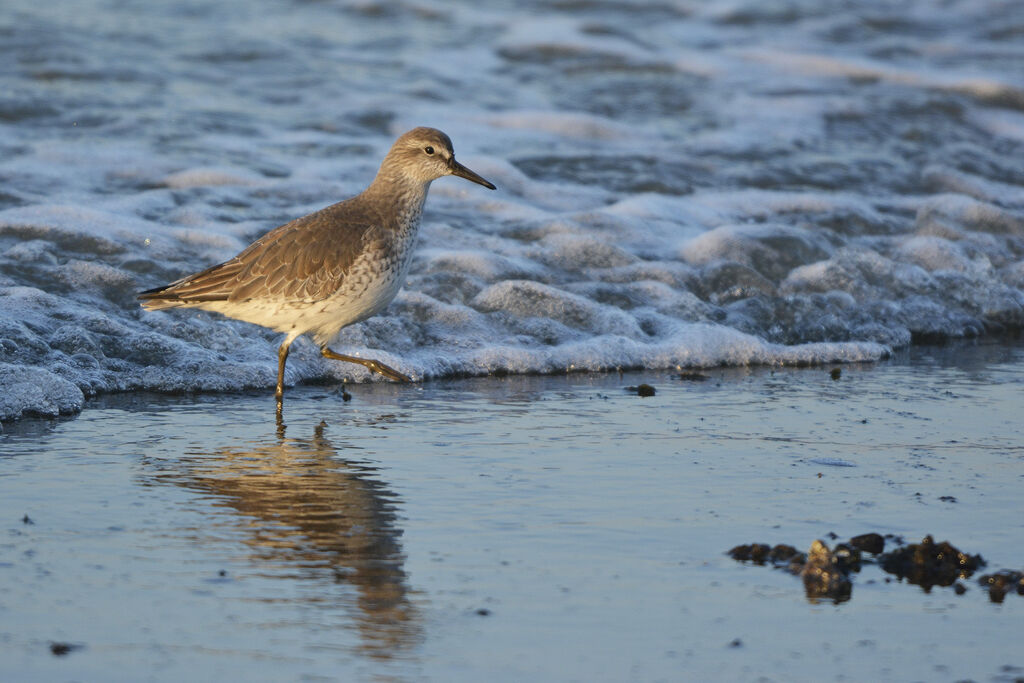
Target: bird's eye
(428, 149)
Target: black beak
(463, 172)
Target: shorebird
(332, 268)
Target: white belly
(368, 288)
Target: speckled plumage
(334, 267)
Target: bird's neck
(403, 196)
(399, 188)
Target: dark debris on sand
(929, 564)
(869, 543)
(62, 649)
(827, 573)
(1002, 582)
(644, 390)
(781, 555)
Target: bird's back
(299, 269)
(304, 260)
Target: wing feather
(306, 259)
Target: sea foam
(678, 187)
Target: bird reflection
(304, 508)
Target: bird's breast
(372, 281)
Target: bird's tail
(212, 284)
(159, 298)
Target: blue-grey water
(680, 184)
(734, 186)
(552, 528)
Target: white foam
(984, 88)
(108, 231)
(528, 36)
(724, 183)
(1001, 122)
(936, 253)
(562, 124)
(35, 391)
(209, 176)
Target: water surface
(542, 528)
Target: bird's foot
(369, 364)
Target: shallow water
(679, 185)
(522, 528)
(732, 183)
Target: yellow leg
(282, 358)
(374, 365)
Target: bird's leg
(281, 426)
(282, 358)
(374, 365)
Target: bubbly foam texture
(678, 187)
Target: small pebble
(872, 543)
(61, 649)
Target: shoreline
(1009, 340)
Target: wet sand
(518, 528)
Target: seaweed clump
(929, 564)
(782, 556)
(825, 572)
(828, 573)
(1002, 582)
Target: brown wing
(306, 259)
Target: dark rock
(781, 556)
(1002, 582)
(848, 557)
(788, 558)
(928, 563)
(782, 553)
(755, 552)
(869, 543)
(836, 373)
(642, 390)
(61, 649)
(824, 575)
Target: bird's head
(426, 154)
